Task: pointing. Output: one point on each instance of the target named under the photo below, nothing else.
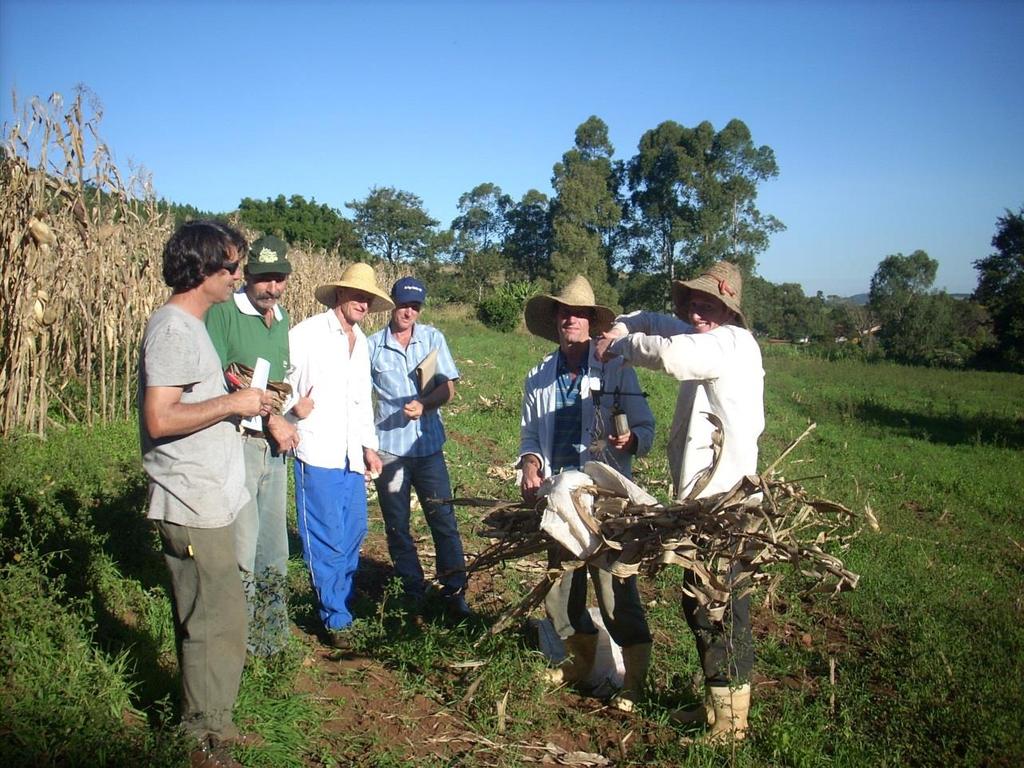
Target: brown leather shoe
(209, 756)
(340, 639)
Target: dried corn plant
(726, 541)
(80, 270)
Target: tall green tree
(897, 282)
(477, 234)
(918, 326)
(482, 222)
(528, 239)
(659, 209)
(1001, 287)
(393, 225)
(585, 212)
(694, 193)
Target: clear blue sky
(896, 125)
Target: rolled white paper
(260, 377)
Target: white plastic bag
(561, 520)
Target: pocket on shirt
(386, 369)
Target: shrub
(501, 313)
(503, 309)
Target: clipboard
(426, 373)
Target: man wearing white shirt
(709, 350)
(337, 441)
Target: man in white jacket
(708, 348)
(569, 403)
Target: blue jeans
(261, 537)
(330, 507)
(429, 476)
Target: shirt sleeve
(171, 357)
(445, 361)
(298, 373)
(364, 413)
(686, 356)
(652, 323)
(529, 424)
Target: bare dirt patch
(373, 710)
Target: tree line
(685, 199)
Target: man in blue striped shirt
(569, 408)
(413, 375)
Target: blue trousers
(429, 476)
(330, 506)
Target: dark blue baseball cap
(408, 290)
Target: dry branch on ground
(726, 541)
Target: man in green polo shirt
(254, 325)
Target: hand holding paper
(260, 376)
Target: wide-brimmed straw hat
(540, 310)
(722, 281)
(361, 277)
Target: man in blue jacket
(570, 401)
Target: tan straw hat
(540, 310)
(721, 280)
(361, 277)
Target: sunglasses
(231, 266)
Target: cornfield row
(80, 271)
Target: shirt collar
(334, 324)
(246, 308)
(563, 364)
(389, 337)
(332, 321)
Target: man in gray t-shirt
(192, 452)
(197, 479)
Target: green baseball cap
(268, 255)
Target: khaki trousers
(209, 624)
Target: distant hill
(861, 299)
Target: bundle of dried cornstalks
(725, 541)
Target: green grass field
(922, 664)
